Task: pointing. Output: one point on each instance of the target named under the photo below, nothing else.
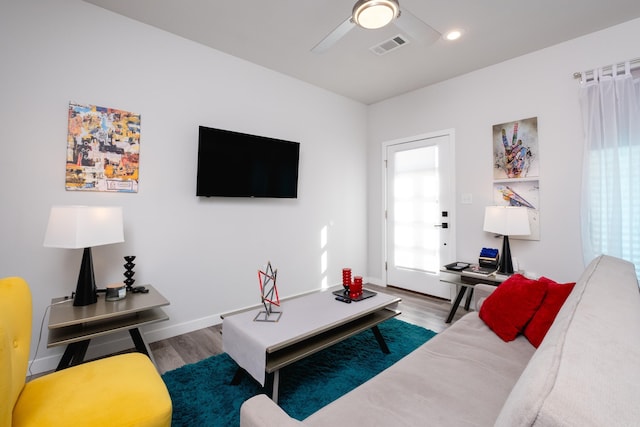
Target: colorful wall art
(103, 149)
(515, 149)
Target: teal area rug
(203, 396)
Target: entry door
(419, 213)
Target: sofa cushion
(460, 377)
(92, 393)
(540, 323)
(508, 309)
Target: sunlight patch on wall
(324, 257)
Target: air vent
(389, 45)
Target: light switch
(466, 198)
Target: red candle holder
(355, 288)
(346, 278)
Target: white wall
(202, 254)
(539, 84)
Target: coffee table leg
(380, 339)
(271, 384)
(276, 383)
(237, 376)
(270, 387)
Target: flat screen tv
(234, 164)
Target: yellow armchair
(123, 390)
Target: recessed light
(453, 35)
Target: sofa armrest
(480, 292)
(260, 411)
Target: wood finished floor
(192, 347)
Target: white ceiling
(279, 35)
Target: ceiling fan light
(372, 14)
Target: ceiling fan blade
(335, 35)
(415, 27)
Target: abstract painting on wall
(103, 149)
(515, 149)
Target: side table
(76, 326)
(467, 280)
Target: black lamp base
(86, 293)
(506, 265)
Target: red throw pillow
(551, 304)
(508, 309)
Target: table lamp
(75, 227)
(506, 221)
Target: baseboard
(162, 333)
(375, 281)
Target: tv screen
(233, 164)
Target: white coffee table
(308, 324)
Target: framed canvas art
(515, 149)
(103, 149)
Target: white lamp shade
(507, 220)
(74, 227)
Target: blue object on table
(488, 258)
(489, 253)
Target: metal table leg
(456, 303)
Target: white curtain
(610, 208)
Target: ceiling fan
(373, 14)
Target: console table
(467, 280)
(76, 326)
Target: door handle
(443, 225)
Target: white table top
(248, 341)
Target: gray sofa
(586, 372)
